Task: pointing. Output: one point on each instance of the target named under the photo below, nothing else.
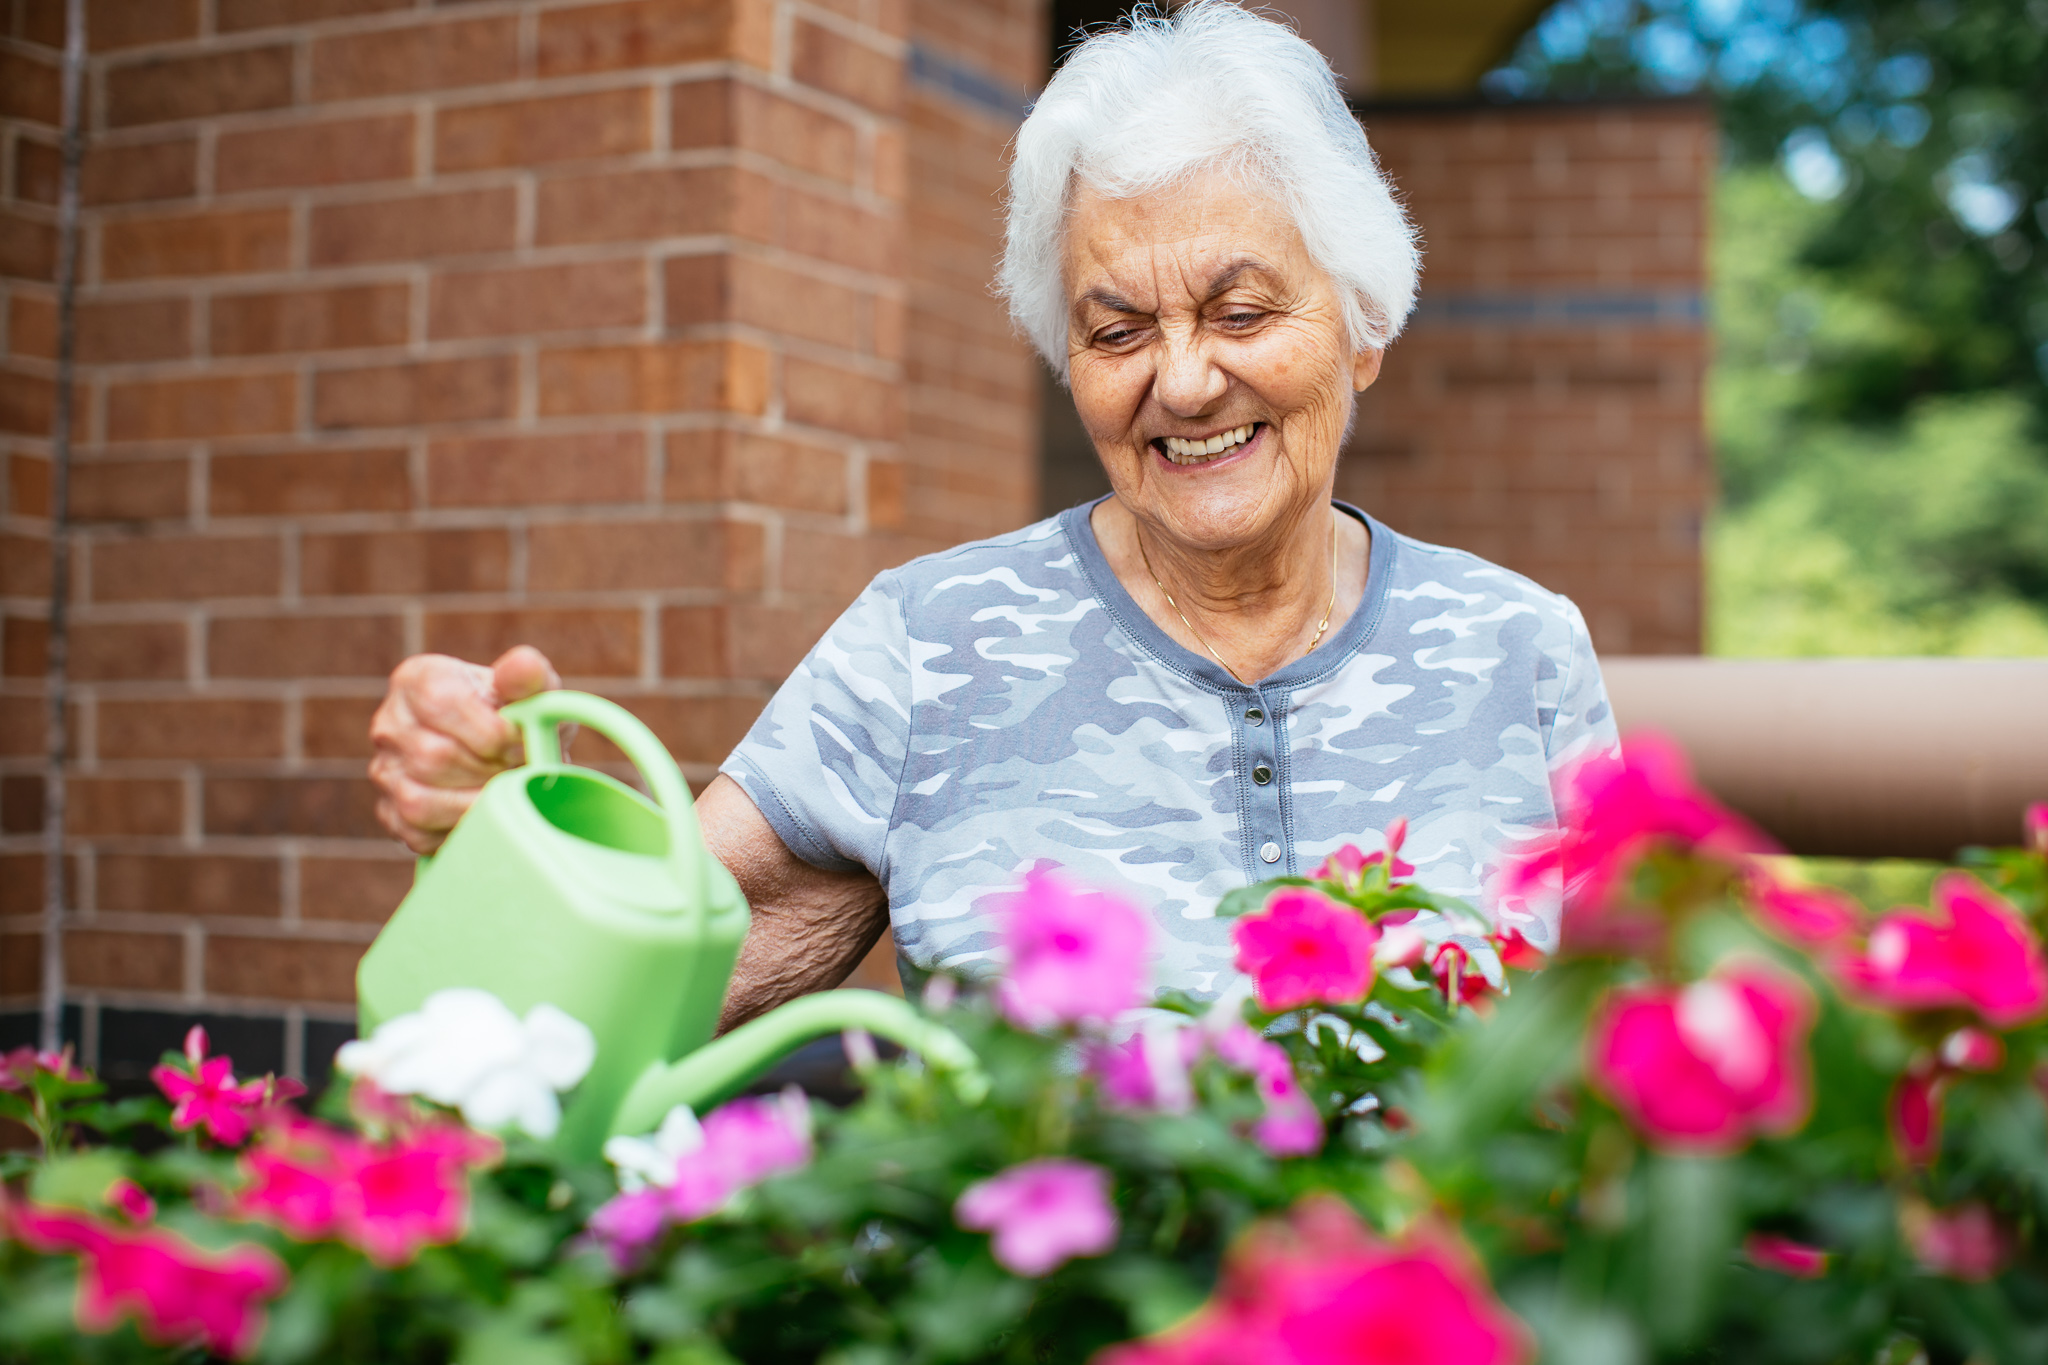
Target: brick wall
(404, 326)
(1544, 408)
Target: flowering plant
(1737, 1114)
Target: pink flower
(1148, 1070)
(1972, 1049)
(1042, 1213)
(205, 1095)
(1915, 1117)
(1706, 1066)
(1517, 952)
(1290, 1125)
(388, 1199)
(178, 1294)
(627, 1224)
(1963, 1242)
(2035, 827)
(1451, 965)
(1617, 809)
(1978, 953)
(1347, 865)
(20, 1066)
(1303, 948)
(1806, 915)
(1073, 955)
(1321, 1290)
(131, 1201)
(1768, 1251)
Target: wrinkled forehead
(1181, 243)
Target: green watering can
(565, 885)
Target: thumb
(522, 671)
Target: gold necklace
(1321, 625)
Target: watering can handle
(538, 718)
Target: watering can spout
(721, 1067)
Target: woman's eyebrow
(1115, 303)
(1231, 273)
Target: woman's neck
(1255, 607)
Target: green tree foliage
(1879, 403)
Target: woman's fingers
(417, 815)
(522, 671)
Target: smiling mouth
(1186, 452)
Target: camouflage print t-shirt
(1005, 705)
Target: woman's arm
(438, 738)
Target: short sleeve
(1583, 723)
(824, 760)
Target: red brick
(312, 807)
(341, 318)
(729, 113)
(533, 132)
(187, 409)
(114, 24)
(21, 736)
(336, 152)
(128, 651)
(525, 471)
(394, 563)
(337, 727)
(838, 65)
(304, 646)
(108, 333)
(833, 230)
(640, 33)
(297, 970)
(711, 466)
(194, 728)
(548, 298)
(416, 393)
(25, 565)
(228, 243)
(124, 805)
(112, 960)
(417, 227)
(21, 964)
(187, 568)
(681, 376)
(360, 890)
(841, 400)
(130, 490)
(21, 804)
(113, 173)
(582, 642)
(30, 88)
(187, 884)
(694, 729)
(232, 16)
(745, 641)
(428, 56)
(21, 886)
(231, 82)
(613, 556)
(309, 482)
(728, 288)
(28, 248)
(887, 509)
(28, 403)
(629, 206)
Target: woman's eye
(1117, 337)
(1241, 319)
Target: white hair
(1144, 105)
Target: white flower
(644, 1161)
(464, 1048)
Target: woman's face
(1208, 359)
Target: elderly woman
(1212, 676)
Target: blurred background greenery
(1879, 399)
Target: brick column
(450, 327)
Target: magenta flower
(206, 1095)
(1707, 1066)
(1290, 1125)
(1347, 865)
(1074, 956)
(131, 1201)
(1972, 1049)
(1977, 953)
(20, 1066)
(1768, 1251)
(178, 1294)
(1304, 948)
(1810, 916)
(1616, 810)
(1148, 1070)
(1915, 1116)
(1321, 1290)
(1041, 1213)
(627, 1224)
(1517, 952)
(1963, 1242)
(2035, 827)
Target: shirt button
(1269, 851)
(1262, 775)
(1255, 716)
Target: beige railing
(1855, 757)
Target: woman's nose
(1188, 381)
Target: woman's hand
(438, 738)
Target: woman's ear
(1365, 367)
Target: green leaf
(1692, 1234)
(77, 1180)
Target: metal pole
(57, 664)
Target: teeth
(1182, 451)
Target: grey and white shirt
(1005, 706)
